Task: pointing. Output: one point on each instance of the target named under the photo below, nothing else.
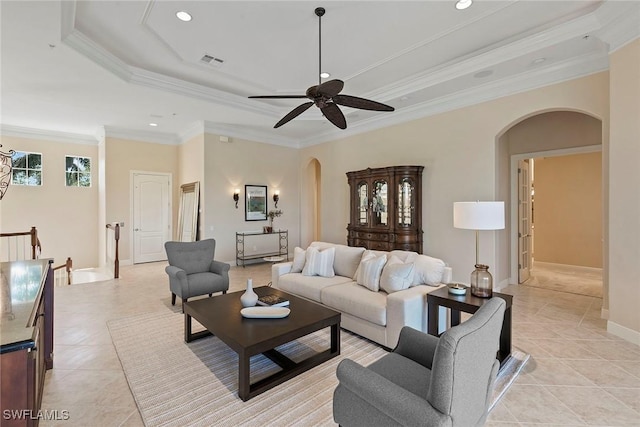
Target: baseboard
(623, 332)
(503, 284)
(580, 267)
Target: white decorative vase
(249, 298)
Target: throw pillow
(427, 270)
(367, 254)
(319, 263)
(299, 258)
(396, 275)
(369, 272)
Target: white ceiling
(75, 69)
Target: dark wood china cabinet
(386, 208)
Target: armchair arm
(396, 402)
(220, 268)
(177, 280)
(175, 272)
(278, 270)
(417, 346)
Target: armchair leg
(183, 301)
(173, 298)
(224, 292)
(210, 295)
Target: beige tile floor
(578, 374)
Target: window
(78, 171)
(27, 168)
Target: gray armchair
(426, 380)
(192, 270)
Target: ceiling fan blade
(361, 103)
(332, 112)
(278, 96)
(294, 113)
(330, 88)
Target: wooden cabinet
(26, 335)
(386, 208)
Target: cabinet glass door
(363, 202)
(379, 203)
(405, 202)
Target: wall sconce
(276, 198)
(236, 196)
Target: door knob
(135, 229)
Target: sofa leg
(210, 295)
(173, 298)
(224, 292)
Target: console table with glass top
(282, 249)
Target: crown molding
(48, 135)
(248, 134)
(141, 135)
(530, 80)
(491, 56)
(619, 28)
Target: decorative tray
(265, 312)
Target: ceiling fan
(326, 95)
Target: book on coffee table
(272, 300)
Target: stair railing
(113, 257)
(21, 245)
(62, 273)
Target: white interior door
(524, 221)
(151, 216)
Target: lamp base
(481, 282)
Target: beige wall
(66, 217)
(122, 156)
(191, 169)
(624, 193)
(568, 209)
(239, 163)
(459, 152)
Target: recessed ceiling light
(463, 4)
(153, 124)
(404, 98)
(538, 61)
(483, 73)
(183, 16)
(325, 75)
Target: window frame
(78, 173)
(26, 168)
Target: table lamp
(479, 216)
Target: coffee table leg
(335, 339)
(187, 328)
(243, 376)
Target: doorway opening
(560, 222)
(544, 135)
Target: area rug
(196, 384)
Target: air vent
(211, 60)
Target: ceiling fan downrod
(319, 13)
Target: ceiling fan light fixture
(183, 16)
(325, 75)
(463, 4)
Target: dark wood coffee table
(248, 337)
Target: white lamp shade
(478, 215)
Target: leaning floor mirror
(188, 212)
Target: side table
(468, 304)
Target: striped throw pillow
(319, 263)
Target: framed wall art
(255, 202)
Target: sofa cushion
(396, 275)
(309, 287)
(319, 262)
(299, 259)
(427, 270)
(357, 301)
(369, 272)
(346, 260)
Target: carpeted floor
(195, 384)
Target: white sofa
(378, 316)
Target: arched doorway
(549, 133)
